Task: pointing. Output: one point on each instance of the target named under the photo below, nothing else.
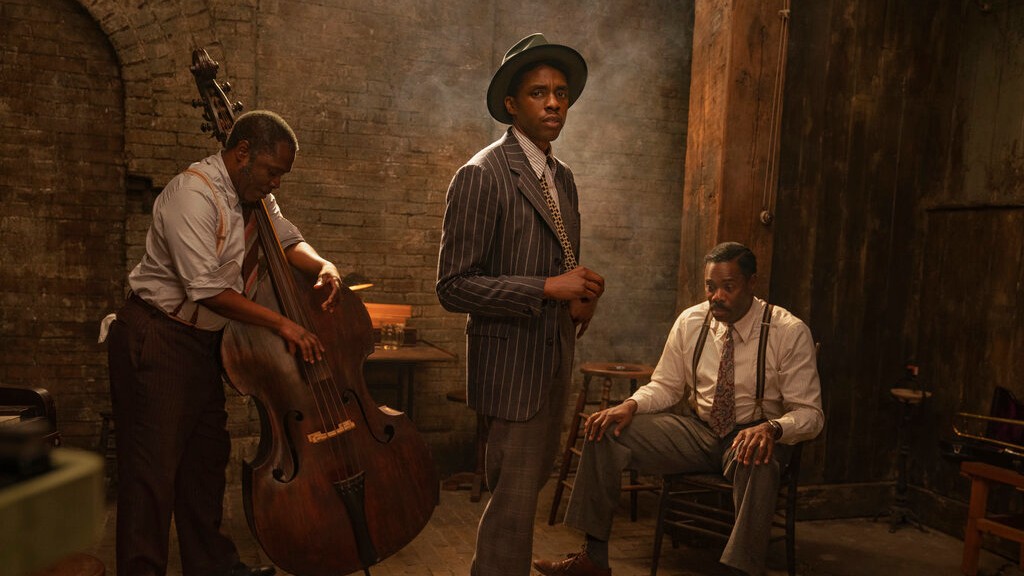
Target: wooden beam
(735, 110)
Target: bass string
(331, 407)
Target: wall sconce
(355, 281)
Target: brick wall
(62, 228)
(387, 100)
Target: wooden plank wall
(898, 231)
(845, 231)
(971, 329)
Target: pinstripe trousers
(172, 443)
(519, 460)
(668, 443)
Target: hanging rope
(768, 194)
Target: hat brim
(574, 66)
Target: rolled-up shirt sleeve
(194, 219)
(193, 216)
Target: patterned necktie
(723, 409)
(569, 258)
(250, 268)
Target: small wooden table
(1010, 526)
(404, 361)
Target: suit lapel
(525, 180)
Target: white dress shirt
(196, 243)
(792, 391)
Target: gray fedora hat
(534, 48)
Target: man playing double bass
(164, 348)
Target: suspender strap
(762, 350)
(222, 227)
(701, 339)
(222, 234)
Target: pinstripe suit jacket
(498, 245)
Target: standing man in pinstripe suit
(508, 258)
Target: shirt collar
(744, 328)
(534, 155)
(218, 173)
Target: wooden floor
(824, 548)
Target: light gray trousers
(519, 460)
(668, 444)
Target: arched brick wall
(62, 157)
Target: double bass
(337, 483)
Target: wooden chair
(701, 505)
(1010, 526)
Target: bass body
(337, 483)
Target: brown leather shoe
(577, 564)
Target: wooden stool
(900, 512)
(1010, 526)
(473, 480)
(607, 371)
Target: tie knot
(549, 166)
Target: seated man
(731, 430)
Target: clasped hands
(581, 287)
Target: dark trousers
(172, 443)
